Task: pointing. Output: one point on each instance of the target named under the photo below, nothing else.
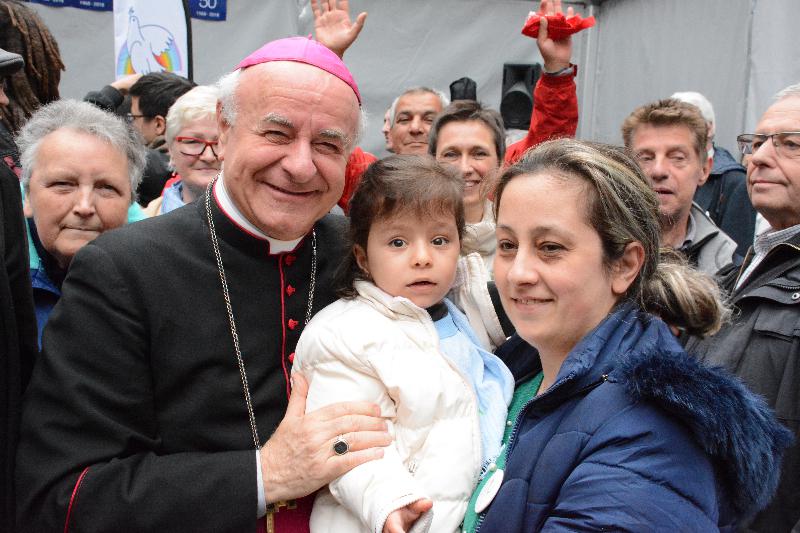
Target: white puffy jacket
(382, 349)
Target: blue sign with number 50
(208, 9)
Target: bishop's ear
(224, 127)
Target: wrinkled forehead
(270, 84)
(418, 102)
(661, 135)
(783, 115)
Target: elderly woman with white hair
(192, 138)
(80, 168)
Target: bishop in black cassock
(137, 417)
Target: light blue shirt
(486, 373)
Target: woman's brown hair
(622, 208)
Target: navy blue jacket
(724, 197)
(634, 435)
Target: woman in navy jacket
(613, 427)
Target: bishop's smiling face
(284, 157)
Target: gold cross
(272, 508)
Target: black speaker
(463, 89)
(516, 101)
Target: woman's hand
(557, 55)
(401, 520)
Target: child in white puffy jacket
(393, 339)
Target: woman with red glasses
(192, 139)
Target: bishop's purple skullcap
(302, 50)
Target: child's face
(412, 256)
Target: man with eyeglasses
(151, 97)
(762, 344)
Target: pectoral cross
(272, 508)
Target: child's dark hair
(414, 184)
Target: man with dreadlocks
(23, 32)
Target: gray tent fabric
(736, 52)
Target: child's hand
(401, 520)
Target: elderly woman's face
(79, 188)
(549, 264)
(195, 168)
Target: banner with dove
(150, 36)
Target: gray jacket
(762, 346)
(711, 248)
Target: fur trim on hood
(733, 425)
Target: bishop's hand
(299, 457)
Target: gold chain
(226, 294)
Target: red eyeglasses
(195, 147)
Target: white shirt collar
(230, 210)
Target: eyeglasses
(194, 146)
(130, 117)
(786, 143)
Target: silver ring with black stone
(340, 446)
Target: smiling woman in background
(612, 425)
(471, 138)
(192, 139)
(80, 166)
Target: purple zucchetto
(302, 50)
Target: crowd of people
(221, 314)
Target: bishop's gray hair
(229, 83)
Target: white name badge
(489, 491)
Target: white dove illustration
(145, 44)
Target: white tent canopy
(736, 52)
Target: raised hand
(299, 458)
(124, 84)
(333, 26)
(557, 55)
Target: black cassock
(135, 418)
